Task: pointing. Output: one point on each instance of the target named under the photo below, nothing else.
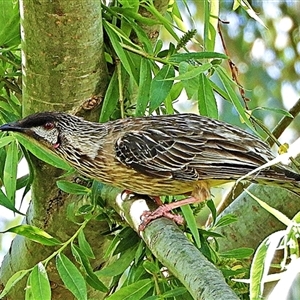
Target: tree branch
(172, 248)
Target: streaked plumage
(157, 155)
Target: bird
(180, 154)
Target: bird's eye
(48, 125)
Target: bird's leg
(200, 193)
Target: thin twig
(284, 123)
(233, 68)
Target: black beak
(11, 127)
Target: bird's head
(63, 133)
(43, 127)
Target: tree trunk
(63, 69)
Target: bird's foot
(161, 211)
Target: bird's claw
(161, 211)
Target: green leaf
(211, 205)
(6, 140)
(247, 7)
(226, 220)
(71, 277)
(207, 103)
(72, 188)
(211, 20)
(38, 286)
(111, 98)
(9, 23)
(191, 222)
(160, 86)
(257, 271)
(262, 261)
(115, 37)
(84, 245)
(272, 109)
(179, 57)
(4, 201)
(144, 88)
(35, 234)
(12, 281)
(42, 153)
(151, 267)
(174, 292)
(239, 253)
(192, 72)
(120, 265)
(191, 85)
(10, 171)
(91, 277)
(227, 82)
(133, 291)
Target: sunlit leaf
(40, 152)
(144, 88)
(4, 201)
(207, 104)
(10, 171)
(71, 277)
(133, 291)
(12, 281)
(84, 245)
(35, 234)
(191, 222)
(72, 188)
(38, 286)
(160, 86)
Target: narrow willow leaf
(240, 253)
(135, 16)
(6, 140)
(111, 98)
(84, 245)
(207, 103)
(12, 281)
(174, 292)
(35, 234)
(71, 277)
(120, 265)
(4, 201)
(191, 222)
(257, 271)
(160, 86)
(133, 291)
(211, 20)
(226, 220)
(247, 7)
(227, 83)
(91, 278)
(273, 109)
(179, 57)
(39, 285)
(144, 88)
(192, 72)
(151, 267)
(115, 37)
(191, 85)
(42, 153)
(261, 263)
(9, 23)
(10, 171)
(72, 188)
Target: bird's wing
(187, 153)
